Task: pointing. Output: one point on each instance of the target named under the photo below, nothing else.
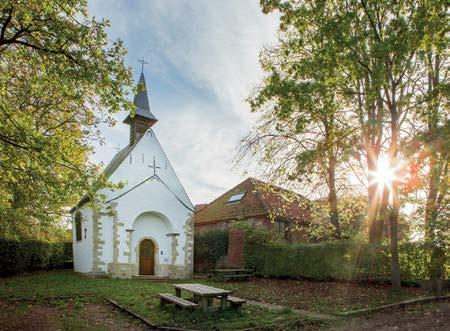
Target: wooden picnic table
(204, 294)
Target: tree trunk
(373, 196)
(383, 214)
(373, 149)
(393, 223)
(434, 230)
(332, 199)
(395, 210)
(331, 172)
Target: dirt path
(20, 316)
(419, 317)
(28, 316)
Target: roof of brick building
(253, 198)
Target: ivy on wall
(209, 249)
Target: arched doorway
(146, 257)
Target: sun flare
(384, 175)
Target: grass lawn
(140, 296)
(71, 301)
(325, 297)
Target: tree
(429, 148)
(300, 138)
(378, 72)
(60, 77)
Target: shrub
(31, 255)
(209, 248)
(332, 260)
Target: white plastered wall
(82, 250)
(151, 199)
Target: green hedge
(31, 255)
(333, 260)
(209, 248)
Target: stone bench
(180, 302)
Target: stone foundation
(128, 270)
(180, 271)
(172, 271)
(122, 270)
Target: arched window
(78, 220)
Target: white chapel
(144, 228)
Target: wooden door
(146, 257)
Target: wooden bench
(180, 302)
(235, 302)
(236, 277)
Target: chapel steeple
(143, 118)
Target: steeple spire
(143, 62)
(143, 118)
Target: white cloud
(206, 55)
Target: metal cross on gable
(143, 62)
(154, 166)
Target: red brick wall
(235, 255)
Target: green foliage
(352, 218)
(60, 77)
(31, 255)
(258, 235)
(344, 260)
(209, 248)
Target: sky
(203, 63)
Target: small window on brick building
(236, 197)
(78, 220)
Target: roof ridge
(281, 188)
(210, 203)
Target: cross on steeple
(142, 61)
(154, 167)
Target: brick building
(262, 205)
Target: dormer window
(236, 197)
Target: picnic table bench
(231, 274)
(203, 297)
(179, 302)
(236, 302)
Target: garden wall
(332, 260)
(31, 255)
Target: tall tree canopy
(60, 77)
(365, 69)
